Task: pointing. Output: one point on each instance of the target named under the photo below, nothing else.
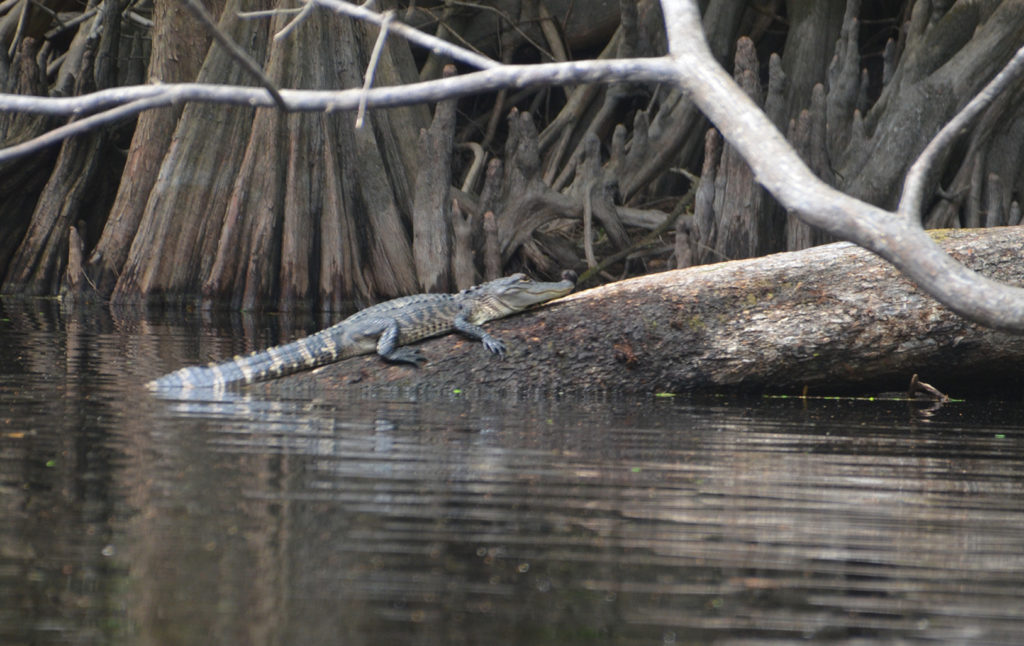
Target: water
(295, 518)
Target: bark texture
(260, 209)
(832, 318)
(432, 226)
(37, 265)
(178, 48)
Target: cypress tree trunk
(176, 239)
(260, 208)
(21, 181)
(179, 45)
(37, 266)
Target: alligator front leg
(469, 329)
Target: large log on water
(826, 319)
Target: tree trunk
(21, 182)
(948, 57)
(828, 319)
(432, 227)
(810, 44)
(37, 266)
(178, 47)
(176, 240)
(267, 209)
(865, 148)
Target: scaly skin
(385, 328)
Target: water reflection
(247, 518)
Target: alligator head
(515, 293)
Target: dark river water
(297, 518)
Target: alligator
(385, 328)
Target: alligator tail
(304, 354)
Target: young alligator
(383, 328)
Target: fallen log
(833, 318)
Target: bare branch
(82, 126)
(413, 35)
(134, 99)
(239, 54)
(303, 13)
(371, 66)
(917, 177)
(779, 169)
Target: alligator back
(419, 316)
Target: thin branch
(139, 20)
(81, 126)
(917, 178)
(16, 40)
(444, 30)
(371, 66)
(61, 27)
(479, 157)
(270, 13)
(233, 48)
(588, 219)
(651, 236)
(551, 34)
(305, 12)
(639, 70)
(413, 35)
(512, 23)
